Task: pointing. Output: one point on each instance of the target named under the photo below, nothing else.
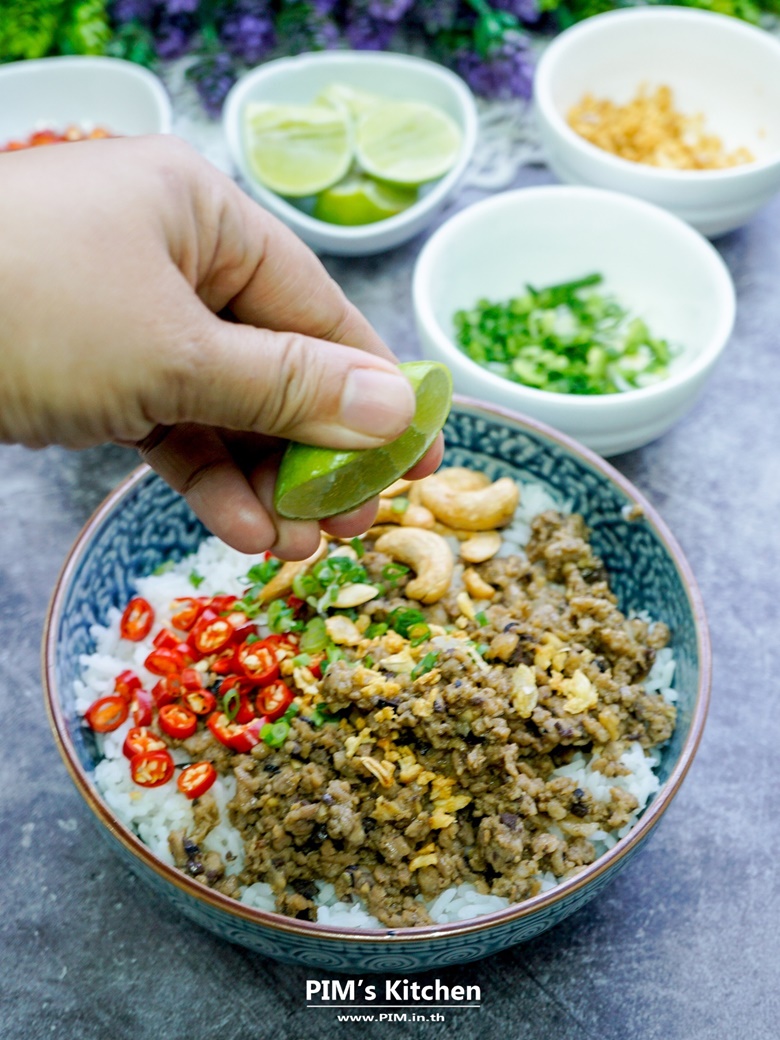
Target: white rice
(152, 813)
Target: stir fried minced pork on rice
(448, 693)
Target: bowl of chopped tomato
(52, 101)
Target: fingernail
(376, 402)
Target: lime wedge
(406, 142)
(344, 96)
(362, 200)
(315, 483)
(297, 150)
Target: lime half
(362, 200)
(345, 96)
(406, 142)
(297, 150)
(315, 483)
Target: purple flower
(388, 10)
(437, 15)
(505, 73)
(142, 11)
(174, 7)
(304, 25)
(365, 33)
(213, 77)
(173, 36)
(526, 10)
(247, 31)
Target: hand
(146, 300)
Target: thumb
(287, 385)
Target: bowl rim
(128, 69)
(470, 215)
(303, 222)
(556, 53)
(329, 933)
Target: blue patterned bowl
(144, 523)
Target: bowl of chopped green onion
(599, 314)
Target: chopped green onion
(252, 638)
(378, 628)
(564, 339)
(231, 702)
(425, 664)
(302, 660)
(481, 618)
(402, 619)
(368, 661)
(274, 734)
(164, 567)
(281, 617)
(418, 634)
(393, 571)
(291, 712)
(399, 504)
(358, 546)
(195, 579)
(315, 636)
(261, 573)
(320, 715)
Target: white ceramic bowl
(658, 267)
(717, 66)
(299, 80)
(84, 91)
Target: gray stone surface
(683, 946)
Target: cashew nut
(282, 581)
(342, 631)
(479, 510)
(481, 547)
(428, 554)
(398, 487)
(411, 516)
(476, 585)
(459, 478)
(354, 594)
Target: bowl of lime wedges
(356, 152)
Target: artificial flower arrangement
(488, 42)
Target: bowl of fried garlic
(679, 107)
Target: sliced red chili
(295, 603)
(240, 683)
(224, 664)
(222, 604)
(258, 660)
(202, 702)
(240, 738)
(141, 707)
(137, 620)
(151, 768)
(107, 713)
(126, 683)
(191, 679)
(164, 661)
(165, 638)
(274, 700)
(167, 690)
(196, 779)
(285, 643)
(188, 610)
(210, 632)
(315, 665)
(177, 721)
(141, 738)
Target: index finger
(270, 279)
